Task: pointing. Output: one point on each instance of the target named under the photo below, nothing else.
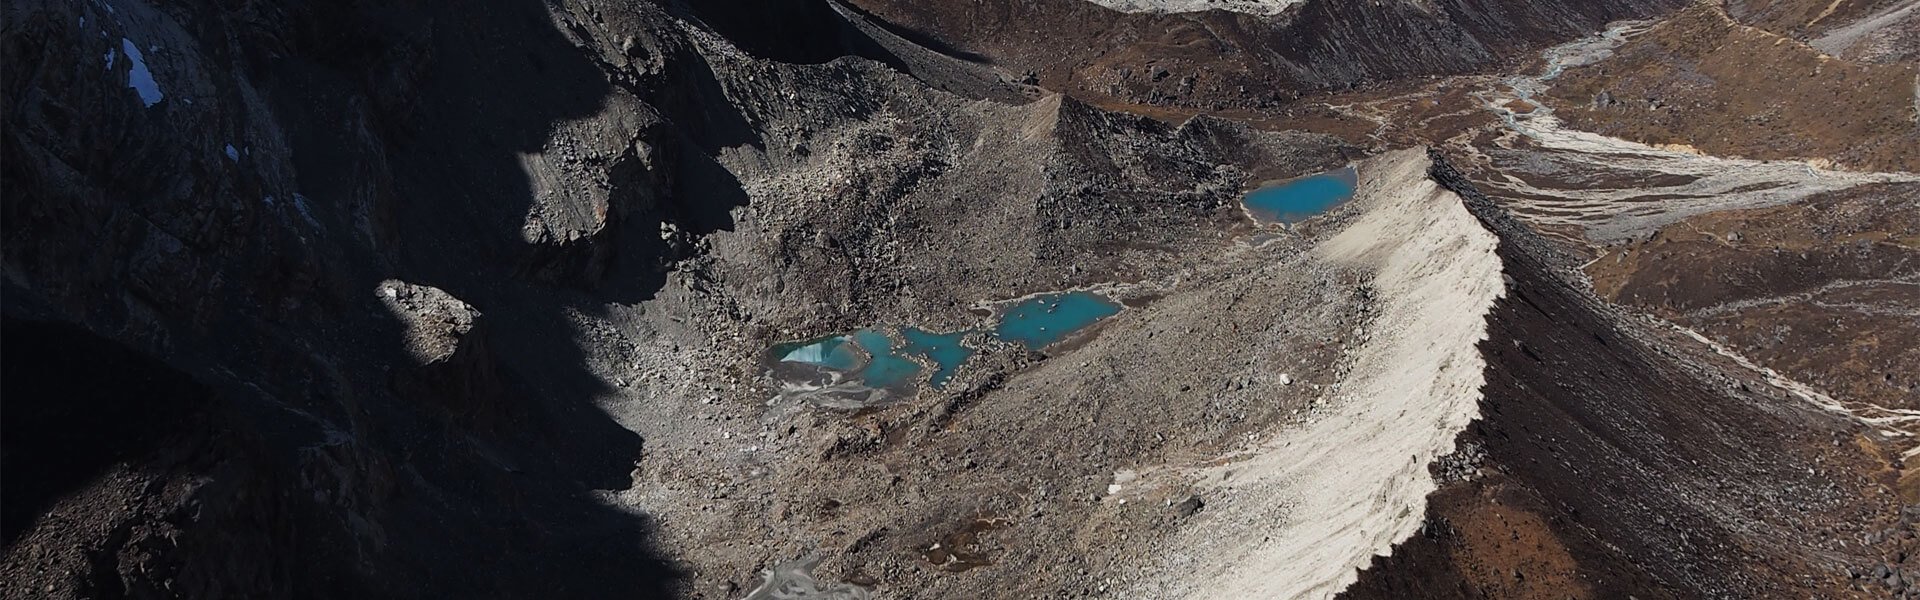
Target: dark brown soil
(1217, 60)
(1827, 291)
(1706, 81)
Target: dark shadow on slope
(460, 95)
(700, 194)
(789, 31)
(916, 36)
(75, 404)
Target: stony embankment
(1599, 465)
(1352, 481)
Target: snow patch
(233, 154)
(139, 77)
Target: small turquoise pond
(869, 353)
(887, 367)
(1294, 201)
(832, 352)
(943, 349)
(874, 358)
(864, 364)
(1042, 320)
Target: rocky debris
(635, 201)
(453, 364)
(1189, 507)
(795, 581)
(595, 177)
(1460, 465)
(1758, 277)
(437, 323)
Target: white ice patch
(812, 354)
(111, 54)
(138, 77)
(233, 154)
(795, 581)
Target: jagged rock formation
(226, 202)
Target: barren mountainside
(885, 299)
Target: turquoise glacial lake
(1294, 201)
(868, 354)
(877, 360)
(872, 358)
(942, 349)
(1040, 321)
(831, 352)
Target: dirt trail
(1839, 41)
(1901, 423)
